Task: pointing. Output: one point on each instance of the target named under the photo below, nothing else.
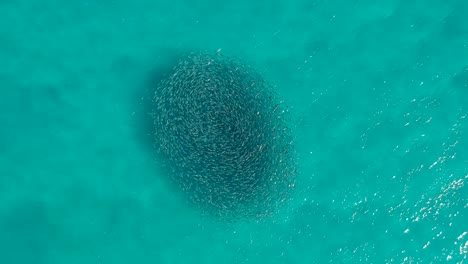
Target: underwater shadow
(160, 69)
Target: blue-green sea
(378, 96)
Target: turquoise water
(379, 95)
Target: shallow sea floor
(379, 95)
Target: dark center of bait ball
(223, 136)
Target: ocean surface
(378, 94)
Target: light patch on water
(460, 237)
(427, 244)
